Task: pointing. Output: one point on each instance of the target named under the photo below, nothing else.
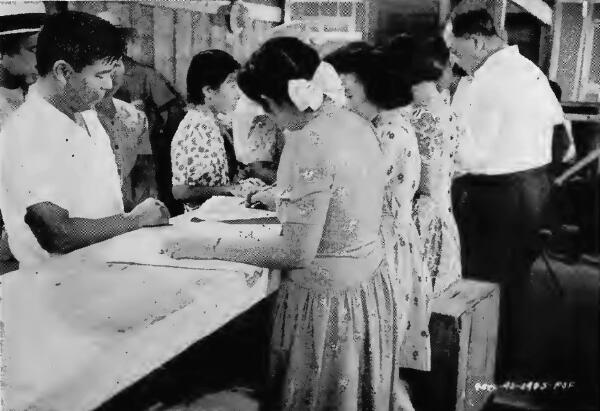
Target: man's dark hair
(474, 22)
(10, 44)
(78, 38)
(208, 68)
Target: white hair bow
(310, 93)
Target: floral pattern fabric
(335, 336)
(198, 152)
(199, 156)
(438, 133)
(402, 244)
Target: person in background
(127, 128)
(380, 91)
(334, 342)
(438, 133)
(509, 111)
(20, 24)
(202, 152)
(151, 93)
(59, 182)
(563, 144)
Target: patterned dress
(397, 140)
(199, 156)
(335, 336)
(438, 133)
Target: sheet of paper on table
(79, 329)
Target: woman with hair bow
(335, 341)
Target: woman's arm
(285, 246)
(199, 194)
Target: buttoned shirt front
(509, 112)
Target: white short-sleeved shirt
(509, 112)
(47, 157)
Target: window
(575, 63)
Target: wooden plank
(575, 93)
(142, 48)
(183, 48)
(464, 329)
(217, 32)
(164, 51)
(552, 72)
(122, 9)
(257, 11)
(537, 8)
(200, 32)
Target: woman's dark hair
(11, 44)
(78, 38)
(420, 58)
(208, 68)
(276, 62)
(474, 22)
(385, 86)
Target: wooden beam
(537, 8)
(256, 11)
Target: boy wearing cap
(20, 24)
(59, 185)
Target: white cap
(112, 18)
(117, 21)
(21, 16)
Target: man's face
(23, 62)
(91, 84)
(466, 49)
(117, 76)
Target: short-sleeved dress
(398, 142)
(335, 337)
(199, 156)
(438, 132)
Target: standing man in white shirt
(509, 113)
(59, 186)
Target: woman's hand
(265, 198)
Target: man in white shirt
(59, 186)
(509, 111)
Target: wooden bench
(464, 331)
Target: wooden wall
(169, 34)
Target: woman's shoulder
(340, 121)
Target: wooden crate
(464, 331)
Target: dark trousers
(498, 218)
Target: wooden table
(86, 325)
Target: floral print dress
(335, 336)
(398, 143)
(439, 133)
(199, 156)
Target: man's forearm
(75, 233)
